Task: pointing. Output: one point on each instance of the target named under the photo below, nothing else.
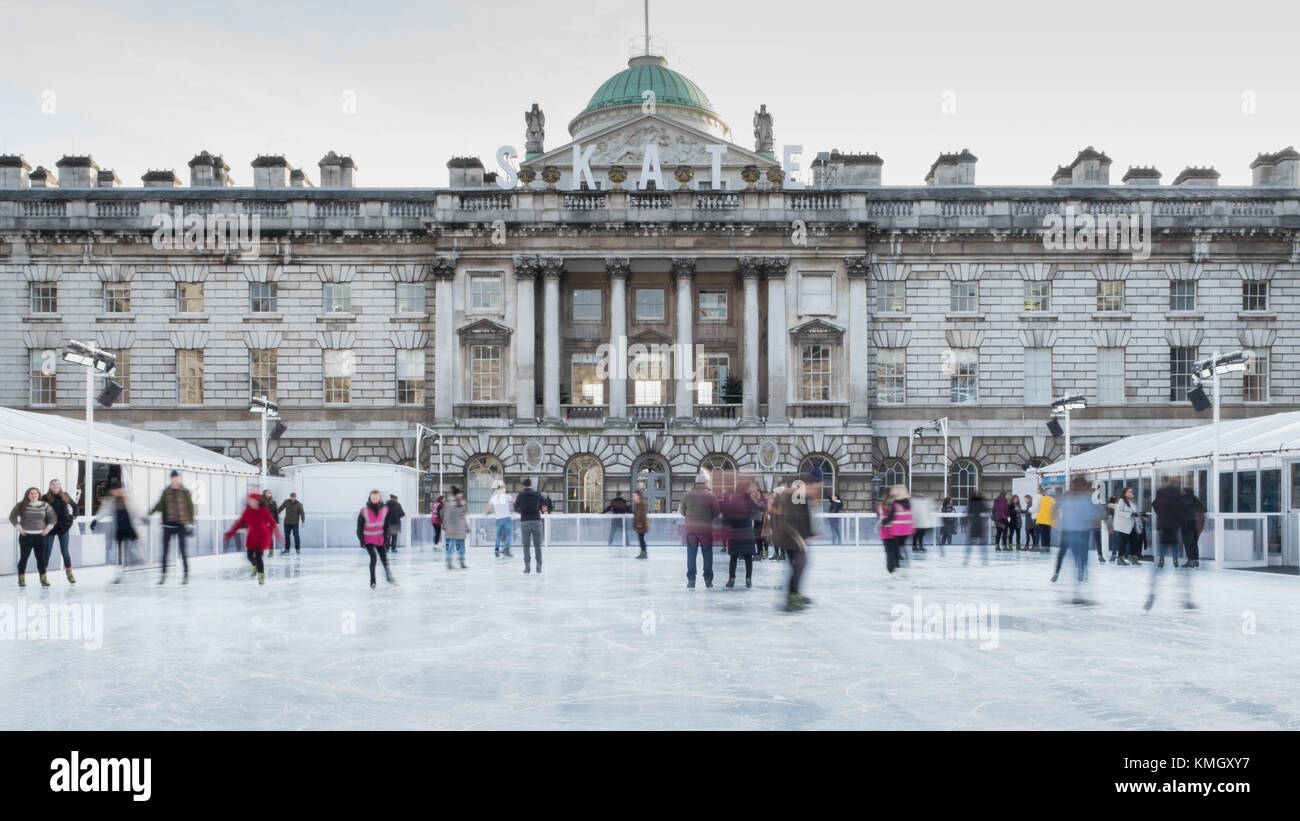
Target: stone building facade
(818, 324)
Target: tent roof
(1278, 433)
(45, 434)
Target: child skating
(262, 534)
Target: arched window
(722, 473)
(823, 463)
(584, 485)
(963, 480)
(894, 473)
(650, 476)
(482, 472)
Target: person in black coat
(1193, 523)
(739, 510)
(394, 525)
(1171, 514)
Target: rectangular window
(117, 297)
(649, 373)
(1182, 295)
(963, 297)
(588, 386)
(410, 376)
(189, 377)
(336, 298)
(649, 304)
(891, 376)
(1038, 376)
(410, 297)
(1254, 296)
(711, 378)
(965, 382)
(1110, 376)
(586, 305)
(815, 374)
(263, 373)
(1180, 372)
(122, 374)
(44, 297)
(1254, 382)
(262, 297)
(339, 365)
(816, 293)
(485, 294)
(485, 373)
(891, 297)
(713, 306)
(1110, 295)
(1038, 296)
(189, 297)
(44, 379)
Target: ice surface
(605, 641)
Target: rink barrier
(560, 530)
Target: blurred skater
(455, 523)
(699, 508)
(263, 533)
(177, 508)
(896, 524)
(640, 521)
(924, 517)
(977, 513)
(948, 524)
(618, 510)
(374, 524)
(1044, 519)
(739, 510)
(1193, 523)
(294, 518)
(769, 531)
(498, 507)
(393, 530)
(1001, 522)
(792, 530)
(435, 518)
(35, 519)
(1078, 516)
(116, 508)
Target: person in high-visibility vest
(372, 529)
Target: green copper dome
(647, 72)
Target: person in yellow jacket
(1046, 518)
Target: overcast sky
(145, 85)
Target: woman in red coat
(262, 535)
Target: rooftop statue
(763, 136)
(536, 121)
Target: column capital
(619, 267)
(444, 266)
(858, 267)
(776, 267)
(527, 267)
(684, 267)
(750, 267)
(552, 267)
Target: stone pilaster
(444, 346)
(778, 337)
(751, 269)
(526, 271)
(552, 272)
(684, 356)
(618, 269)
(857, 352)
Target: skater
(1193, 523)
(456, 525)
(374, 524)
(640, 520)
(924, 515)
(1044, 519)
(1124, 524)
(739, 510)
(177, 508)
(699, 508)
(1013, 521)
(35, 519)
(116, 508)
(1001, 518)
(835, 506)
(435, 518)
(66, 510)
(948, 525)
(1171, 514)
(794, 528)
(617, 508)
(263, 532)
(294, 517)
(1078, 515)
(268, 502)
(977, 511)
(530, 504)
(896, 524)
(499, 506)
(769, 518)
(394, 528)
(760, 539)
(1030, 509)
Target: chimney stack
(1091, 167)
(953, 169)
(209, 171)
(78, 171)
(1193, 176)
(336, 171)
(108, 179)
(846, 169)
(161, 179)
(465, 172)
(1141, 175)
(42, 177)
(271, 171)
(298, 179)
(14, 171)
(1281, 168)
(1063, 176)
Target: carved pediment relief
(817, 330)
(485, 330)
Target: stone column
(751, 268)
(552, 271)
(526, 269)
(618, 269)
(684, 355)
(778, 337)
(857, 351)
(446, 352)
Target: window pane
(713, 305)
(122, 374)
(263, 373)
(588, 386)
(485, 293)
(189, 297)
(189, 375)
(337, 298)
(1038, 376)
(410, 376)
(44, 297)
(1254, 296)
(485, 373)
(339, 366)
(1254, 383)
(650, 304)
(815, 381)
(891, 376)
(410, 298)
(963, 297)
(44, 365)
(586, 305)
(1038, 296)
(1182, 296)
(891, 297)
(964, 383)
(1110, 375)
(711, 378)
(117, 297)
(262, 297)
(1180, 372)
(1110, 295)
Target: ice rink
(602, 641)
